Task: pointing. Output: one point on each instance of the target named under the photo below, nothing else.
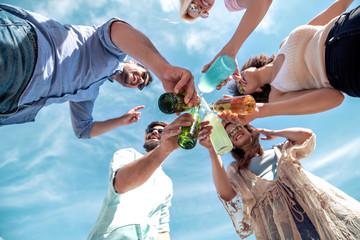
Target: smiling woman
(260, 186)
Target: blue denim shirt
(73, 62)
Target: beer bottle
(242, 105)
(172, 103)
(218, 137)
(188, 136)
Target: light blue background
(52, 184)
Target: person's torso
(141, 206)
(304, 64)
(72, 60)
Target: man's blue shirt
(73, 62)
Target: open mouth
(207, 3)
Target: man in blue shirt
(44, 62)
(137, 203)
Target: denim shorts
(18, 54)
(342, 53)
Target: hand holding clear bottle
(218, 137)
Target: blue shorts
(18, 54)
(342, 53)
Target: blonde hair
(184, 5)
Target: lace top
(265, 207)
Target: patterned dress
(293, 204)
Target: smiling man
(43, 61)
(137, 203)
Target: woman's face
(238, 134)
(250, 80)
(200, 8)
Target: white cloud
(346, 151)
(169, 5)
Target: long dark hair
(257, 62)
(251, 149)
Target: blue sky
(52, 184)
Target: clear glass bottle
(242, 105)
(188, 137)
(172, 103)
(218, 137)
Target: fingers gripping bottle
(172, 103)
(242, 105)
(219, 71)
(188, 137)
(218, 137)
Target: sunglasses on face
(240, 88)
(160, 130)
(236, 128)
(142, 85)
(195, 8)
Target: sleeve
(120, 159)
(103, 32)
(233, 6)
(235, 207)
(81, 117)
(165, 216)
(295, 152)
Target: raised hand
(179, 80)
(132, 115)
(204, 135)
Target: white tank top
(304, 64)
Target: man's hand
(179, 80)
(132, 115)
(168, 142)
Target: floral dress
(278, 209)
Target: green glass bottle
(188, 137)
(172, 103)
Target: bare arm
(335, 9)
(254, 13)
(138, 46)
(291, 103)
(164, 236)
(101, 127)
(138, 172)
(220, 178)
(296, 135)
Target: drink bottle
(172, 103)
(242, 105)
(219, 71)
(188, 136)
(218, 137)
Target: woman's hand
(235, 75)
(204, 135)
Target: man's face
(153, 137)
(133, 76)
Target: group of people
(266, 192)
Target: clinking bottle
(218, 137)
(172, 103)
(242, 105)
(188, 137)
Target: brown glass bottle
(242, 105)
